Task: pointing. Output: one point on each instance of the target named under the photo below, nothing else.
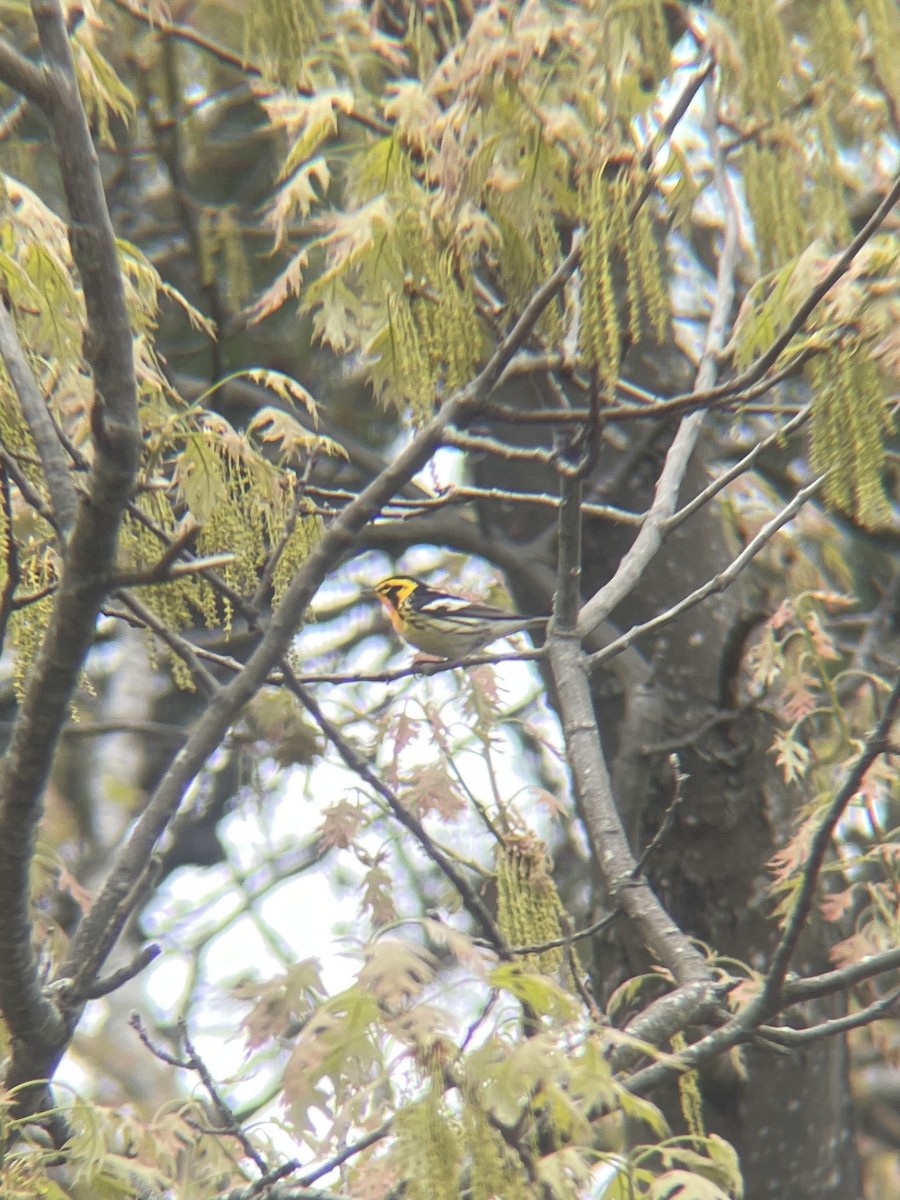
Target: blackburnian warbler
(442, 625)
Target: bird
(442, 625)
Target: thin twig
(12, 575)
(29, 492)
(876, 744)
(788, 1036)
(649, 539)
(115, 980)
(165, 571)
(481, 444)
(178, 645)
(54, 463)
(408, 509)
(718, 583)
(796, 991)
(721, 481)
(195, 1064)
(223, 1111)
(470, 898)
(569, 939)
(337, 1160)
(758, 368)
(231, 58)
(668, 821)
(155, 729)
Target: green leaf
(199, 476)
(538, 992)
(682, 1185)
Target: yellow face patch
(392, 592)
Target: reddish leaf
(836, 904)
(783, 615)
(822, 641)
(340, 826)
(798, 697)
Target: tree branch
(876, 744)
(788, 1036)
(612, 854)
(178, 645)
(757, 369)
(797, 990)
(39, 1034)
(734, 472)
(100, 928)
(54, 461)
(20, 74)
(13, 574)
(230, 58)
(195, 1064)
(620, 873)
(652, 533)
(470, 898)
(718, 583)
(105, 987)
(777, 993)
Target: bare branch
(718, 583)
(569, 939)
(20, 74)
(267, 1185)
(737, 470)
(876, 744)
(885, 1007)
(154, 729)
(612, 854)
(458, 494)
(54, 462)
(100, 929)
(229, 58)
(470, 898)
(758, 368)
(38, 1032)
(565, 602)
(698, 1002)
(814, 986)
(777, 992)
(679, 111)
(29, 493)
(342, 1156)
(609, 845)
(651, 406)
(178, 645)
(11, 582)
(650, 538)
(104, 987)
(195, 1064)
(668, 821)
(223, 1111)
